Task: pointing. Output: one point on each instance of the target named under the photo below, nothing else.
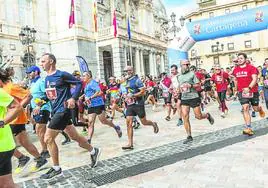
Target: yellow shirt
(6, 138)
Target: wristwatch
(2, 123)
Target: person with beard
(188, 82)
(247, 87)
(134, 93)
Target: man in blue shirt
(58, 85)
(40, 106)
(135, 91)
(95, 105)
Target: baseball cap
(33, 69)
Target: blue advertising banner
(255, 19)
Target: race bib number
(130, 101)
(247, 95)
(165, 94)
(218, 79)
(51, 93)
(185, 88)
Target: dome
(159, 9)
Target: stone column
(142, 63)
(162, 63)
(137, 61)
(125, 54)
(151, 63)
(118, 58)
(154, 64)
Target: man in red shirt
(165, 84)
(220, 79)
(247, 87)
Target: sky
(180, 7)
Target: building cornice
(217, 7)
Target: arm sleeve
(70, 79)
(6, 99)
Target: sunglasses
(188, 64)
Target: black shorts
(208, 88)
(96, 110)
(191, 102)
(42, 117)
(17, 128)
(222, 96)
(5, 162)
(60, 120)
(253, 101)
(136, 110)
(168, 99)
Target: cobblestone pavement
(151, 152)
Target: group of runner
(60, 102)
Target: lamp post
(174, 28)
(27, 37)
(217, 48)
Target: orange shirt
(19, 94)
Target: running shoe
(223, 115)
(248, 131)
(95, 157)
(188, 139)
(253, 114)
(66, 141)
(261, 112)
(127, 148)
(24, 162)
(156, 128)
(84, 132)
(40, 163)
(136, 125)
(180, 122)
(210, 119)
(45, 154)
(118, 131)
(51, 173)
(167, 118)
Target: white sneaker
(223, 115)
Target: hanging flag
(128, 29)
(95, 17)
(115, 24)
(71, 17)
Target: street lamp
(173, 28)
(217, 48)
(27, 37)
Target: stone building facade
(205, 54)
(105, 54)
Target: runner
(19, 131)
(135, 91)
(41, 107)
(265, 81)
(190, 98)
(246, 76)
(175, 91)
(58, 92)
(95, 105)
(150, 87)
(219, 78)
(114, 90)
(165, 84)
(9, 108)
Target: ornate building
(221, 51)
(105, 54)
